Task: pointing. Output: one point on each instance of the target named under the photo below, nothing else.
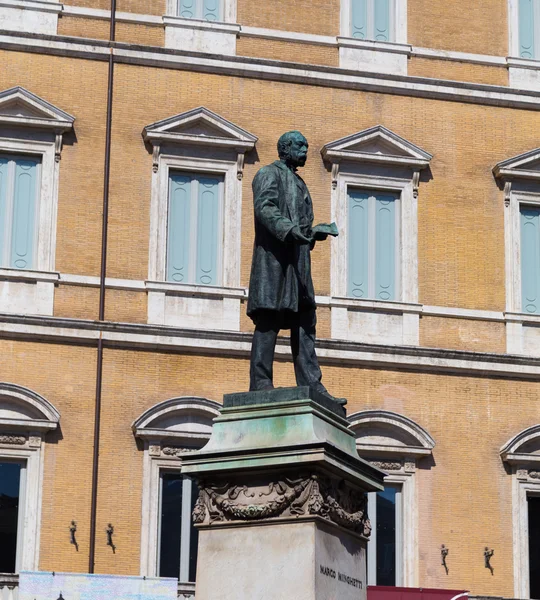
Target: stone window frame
(169, 430)
(398, 20)
(229, 10)
(388, 163)
(370, 55)
(35, 128)
(522, 454)
(195, 35)
(523, 72)
(404, 444)
(31, 16)
(22, 439)
(218, 150)
(519, 179)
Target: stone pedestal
(282, 505)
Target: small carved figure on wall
(487, 558)
(444, 554)
(72, 538)
(109, 531)
(281, 293)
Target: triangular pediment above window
(523, 166)
(376, 145)
(20, 107)
(200, 126)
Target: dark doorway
(534, 545)
(10, 484)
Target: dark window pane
(171, 525)
(10, 480)
(194, 539)
(386, 537)
(534, 545)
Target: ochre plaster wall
(288, 51)
(479, 27)
(308, 16)
(470, 418)
(463, 334)
(66, 377)
(80, 88)
(457, 71)
(461, 238)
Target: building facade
(129, 137)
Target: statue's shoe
(327, 394)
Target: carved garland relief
(307, 496)
(16, 440)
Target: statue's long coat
(281, 270)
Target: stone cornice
(155, 337)
(273, 70)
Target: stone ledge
(282, 395)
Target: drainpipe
(103, 274)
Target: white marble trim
(200, 24)
(274, 70)
(53, 6)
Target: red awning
(382, 592)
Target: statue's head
(292, 148)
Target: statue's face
(298, 151)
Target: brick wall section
(80, 88)
(126, 306)
(155, 7)
(307, 16)
(97, 29)
(479, 27)
(462, 334)
(65, 376)
(76, 302)
(457, 71)
(469, 418)
(286, 51)
(140, 34)
(461, 240)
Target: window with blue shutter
(373, 245)
(194, 229)
(19, 193)
(528, 17)
(208, 10)
(372, 19)
(530, 259)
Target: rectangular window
(374, 245)
(533, 503)
(529, 18)
(11, 492)
(19, 192)
(372, 20)
(384, 550)
(207, 10)
(194, 232)
(530, 259)
(178, 538)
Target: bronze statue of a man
(281, 294)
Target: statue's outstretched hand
(297, 236)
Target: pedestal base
(282, 506)
(282, 561)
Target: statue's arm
(265, 198)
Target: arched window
(25, 418)
(522, 454)
(169, 541)
(394, 444)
